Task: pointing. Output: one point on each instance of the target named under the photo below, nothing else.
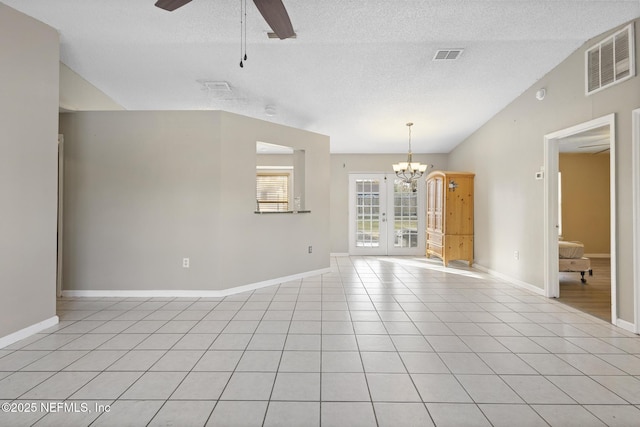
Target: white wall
(145, 189)
(29, 56)
(506, 152)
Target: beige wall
(145, 189)
(77, 94)
(344, 164)
(585, 201)
(506, 153)
(274, 245)
(29, 54)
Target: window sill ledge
(280, 212)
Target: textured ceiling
(358, 70)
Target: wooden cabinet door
(459, 203)
(431, 204)
(450, 216)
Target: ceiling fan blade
(602, 151)
(274, 12)
(171, 5)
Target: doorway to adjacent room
(594, 137)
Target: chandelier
(409, 171)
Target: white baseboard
(28, 331)
(627, 326)
(184, 293)
(597, 255)
(339, 254)
(516, 282)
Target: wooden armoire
(450, 216)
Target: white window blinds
(272, 192)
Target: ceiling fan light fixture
(273, 11)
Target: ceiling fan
(273, 11)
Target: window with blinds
(611, 61)
(272, 192)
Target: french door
(386, 216)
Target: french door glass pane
(368, 213)
(405, 214)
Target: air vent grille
(447, 54)
(215, 86)
(611, 61)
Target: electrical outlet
(185, 262)
(310, 249)
(516, 255)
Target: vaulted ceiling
(357, 71)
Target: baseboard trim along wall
(627, 326)
(511, 280)
(339, 254)
(180, 293)
(597, 255)
(28, 331)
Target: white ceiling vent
(447, 54)
(611, 61)
(215, 86)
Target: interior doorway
(595, 136)
(584, 198)
(386, 216)
(60, 216)
(635, 116)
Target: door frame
(635, 150)
(387, 178)
(551, 168)
(60, 231)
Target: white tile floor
(379, 341)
